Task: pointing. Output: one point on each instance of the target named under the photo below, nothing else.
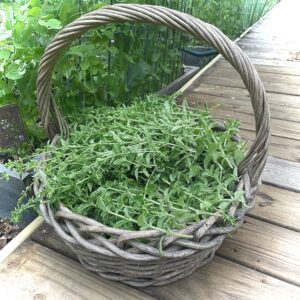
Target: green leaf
(4, 54)
(79, 50)
(14, 72)
(138, 71)
(151, 188)
(146, 173)
(85, 65)
(35, 3)
(35, 12)
(195, 170)
(224, 205)
(141, 220)
(18, 30)
(51, 24)
(100, 204)
(176, 128)
(160, 222)
(167, 108)
(54, 24)
(43, 23)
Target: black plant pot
(9, 194)
(197, 56)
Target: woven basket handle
(53, 121)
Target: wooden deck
(260, 261)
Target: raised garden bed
(10, 191)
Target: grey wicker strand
(134, 257)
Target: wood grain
(213, 280)
(225, 280)
(282, 173)
(283, 123)
(275, 54)
(248, 44)
(238, 93)
(277, 206)
(283, 111)
(264, 68)
(281, 147)
(265, 77)
(273, 62)
(35, 272)
(259, 35)
(267, 248)
(46, 236)
(230, 79)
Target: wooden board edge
(175, 85)
(20, 238)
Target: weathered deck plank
(267, 78)
(35, 272)
(277, 206)
(276, 100)
(225, 280)
(270, 249)
(274, 62)
(282, 173)
(229, 80)
(264, 68)
(278, 55)
(248, 43)
(271, 40)
(241, 104)
(47, 237)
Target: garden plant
(131, 60)
(150, 165)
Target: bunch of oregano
(152, 164)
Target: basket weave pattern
(133, 257)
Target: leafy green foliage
(152, 164)
(110, 65)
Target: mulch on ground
(7, 232)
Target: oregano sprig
(152, 164)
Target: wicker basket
(119, 254)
